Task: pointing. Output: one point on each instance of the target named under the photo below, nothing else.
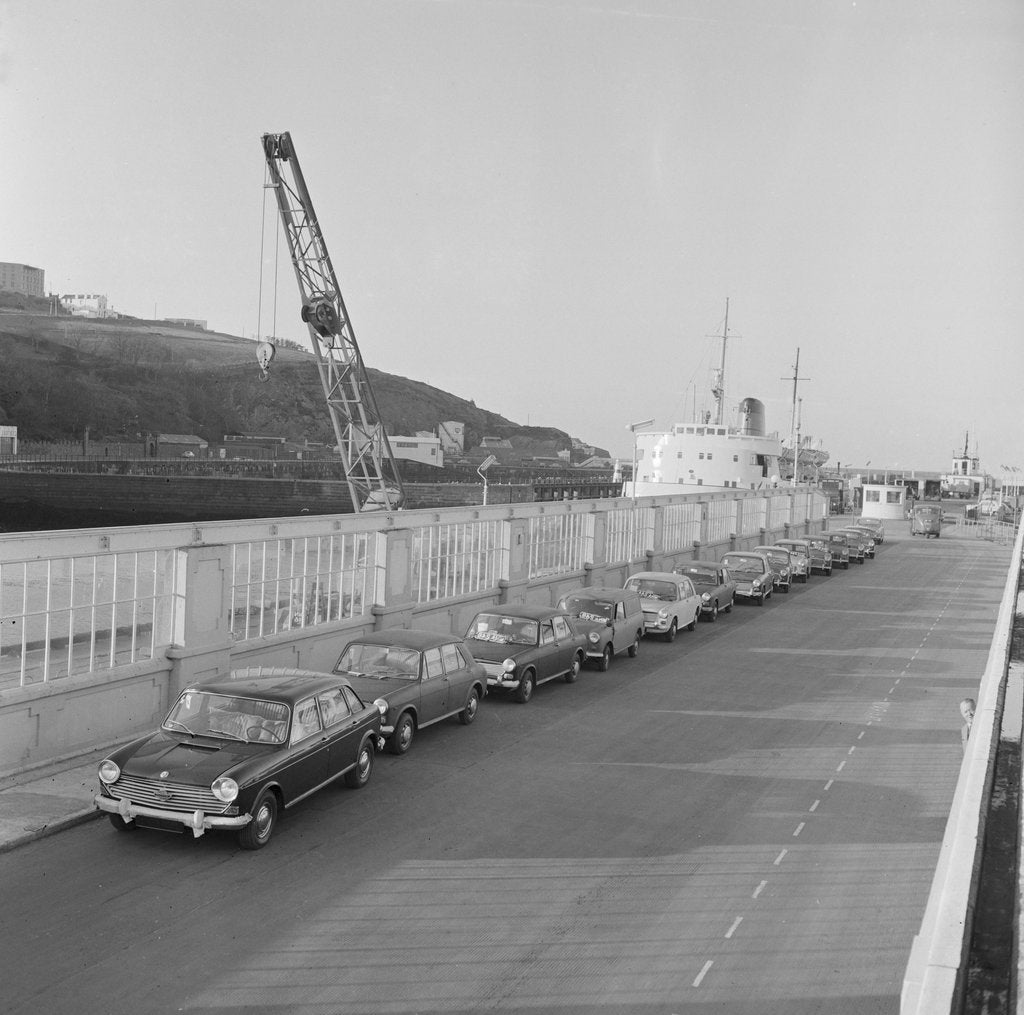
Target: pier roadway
(744, 822)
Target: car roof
(764, 548)
(405, 637)
(701, 563)
(527, 611)
(792, 542)
(277, 683)
(667, 576)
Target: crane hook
(265, 352)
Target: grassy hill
(62, 374)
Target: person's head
(967, 707)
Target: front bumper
(198, 821)
(750, 592)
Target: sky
(544, 206)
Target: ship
(713, 454)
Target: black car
(522, 646)
(416, 678)
(716, 586)
(234, 752)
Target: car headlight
(224, 788)
(382, 707)
(509, 665)
(663, 614)
(705, 597)
(109, 772)
(593, 637)
(785, 572)
(756, 583)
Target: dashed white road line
(704, 972)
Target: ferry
(714, 455)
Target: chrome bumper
(198, 821)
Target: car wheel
(577, 665)
(606, 658)
(358, 777)
(713, 615)
(401, 740)
(728, 608)
(257, 833)
(468, 714)
(121, 825)
(524, 692)
(846, 565)
(692, 626)
(785, 588)
(670, 634)
(634, 648)
(761, 598)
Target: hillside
(63, 374)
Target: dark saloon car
(415, 678)
(234, 752)
(778, 558)
(839, 544)
(753, 574)
(799, 556)
(522, 646)
(821, 554)
(611, 619)
(714, 584)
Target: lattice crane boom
(370, 469)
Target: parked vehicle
(857, 544)
(612, 620)
(522, 646)
(778, 558)
(669, 602)
(821, 554)
(753, 574)
(416, 678)
(716, 586)
(236, 751)
(993, 509)
(866, 535)
(799, 556)
(875, 525)
(839, 544)
(926, 520)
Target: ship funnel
(752, 417)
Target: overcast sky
(543, 206)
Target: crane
(370, 470)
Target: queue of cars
(234, 753)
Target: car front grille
(169, 796)
(493, 669)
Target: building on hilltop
(87, 305)
(186, 322)
(22, 278)
(422, 447)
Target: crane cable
(265, 350)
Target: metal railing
(561, 543)
(458, 558)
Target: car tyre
(468, 714)
(634, 648)
(728, 608)
(577, 665)
(524, 692)
(761, 598)
(670, 634)
(401, 739)
(713, 615)
(359, 775)
(606, 658)
(692, 626)
(257, 833)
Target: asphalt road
(744, 822)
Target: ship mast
(718, 391)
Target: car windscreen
(379, 661)
(652, 588)
(503, 629)
(589, 609)
(743, 563)
(700, 575)
(254, 720)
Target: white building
(452, 435)
(21, 278)
(87, 305)
(425, 448)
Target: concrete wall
(40, 723)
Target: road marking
(842, 765)
(735, 925)
(851, 750)
(778, 859)
(703, 972)
(814, 806)
(828, 785)
(799, 829)
(759, 889)
(860, 736)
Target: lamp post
(482, 472)
(634, 427)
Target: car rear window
(504, 630)
(743, 563)
(590, 609)
(705, 574)
(652, 588)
